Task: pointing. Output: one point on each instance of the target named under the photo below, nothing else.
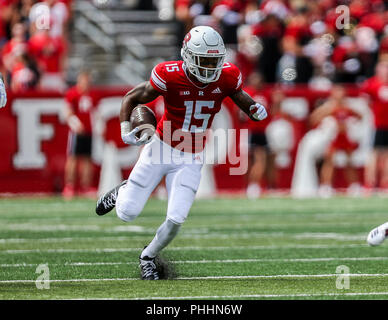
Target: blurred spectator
(281, 136)
(13, 49)
(295, 65)
(50, 55)
(346, 59)
(257, 140)
(336, 108)
(189, 13)
(377, 89)
(269, 31)
(7, 18)
(229, 14)
(25, 74)
(80, 102)
(247, 51)
(22, 13)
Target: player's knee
(176, 218)
(127, 210)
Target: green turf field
(271, 248)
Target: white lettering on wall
(31, 132)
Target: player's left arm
(3, 93)
(253, 109)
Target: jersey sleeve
(233, 78)
(69, 98)
(367, 86)
(158, 78)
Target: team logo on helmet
(187, 37)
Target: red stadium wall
(34, 139)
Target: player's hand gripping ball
(143, 118)
(140, 128)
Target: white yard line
(18, 265)
(265, 296)
(48, 226)
(67, 239)
(278, 276)
(230, 248)
(69, 227)
(195, 235)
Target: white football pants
(158, 159)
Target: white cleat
(377, 235)
(325, 191)
(253, 191)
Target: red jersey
(189, 108)
(378, 92)
(82, 105)
(47, 51)
(342, 140)
(22, 77)
(13, 48)
(341, 114)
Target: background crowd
(297, 41)
(33, 43)
(324, 45)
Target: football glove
(3, 94)
(129, 137)
(258, 112)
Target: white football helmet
(203, 52)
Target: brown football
(144, 118)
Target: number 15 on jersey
(194, 110)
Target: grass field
(271, 248)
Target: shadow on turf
(165, 268)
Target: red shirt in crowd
(82, 105)
(47, 51)
(342, 141)
(22, 77)
(378, 92)
(11, 49)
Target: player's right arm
(3, 93)
(141, 94)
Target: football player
(193, 90)
(378, 235)
(3, 93)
